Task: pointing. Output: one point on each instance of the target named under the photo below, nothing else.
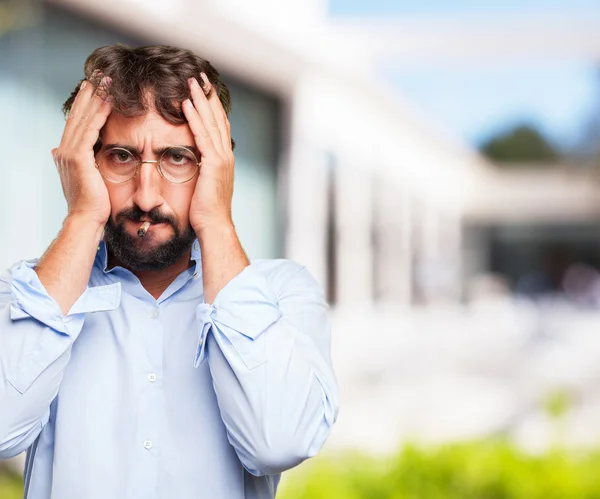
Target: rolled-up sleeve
(267, 339)
(35, 344)
(242, 311)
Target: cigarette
(143, 229)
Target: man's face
(148, 196)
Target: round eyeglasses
(176, 164)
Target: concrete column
(452, 242)
(431, 232)
(392, 225)
(304, 182)
(307, 190)
(354, 242)
(425, 252)
(437, 255)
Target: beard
(136, 253)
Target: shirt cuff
(245, 308)
(29, 298)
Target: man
(144, 356)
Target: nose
(148, 187)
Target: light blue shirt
(131, 397)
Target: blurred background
(435, 164)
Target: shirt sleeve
(35, 346)
(267, 339)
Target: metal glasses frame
(140, 162)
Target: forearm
(35, 345)
(26, 392)
(279, 413)
(65, 268)
(222, 257)
(268, 352)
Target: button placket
(151, 399)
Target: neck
(156, 281)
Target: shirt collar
(131, 284)
(196, 251)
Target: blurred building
(533, 223)
(332, 170)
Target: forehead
(141, 129)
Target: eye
(179, 157)
(120, 156)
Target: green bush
(11, 486)
(492, 469)
(476, 470)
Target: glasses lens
(178, 164)
(117, 165)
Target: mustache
(136, 214)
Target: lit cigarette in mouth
(143, 229)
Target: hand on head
(83, 186)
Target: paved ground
(453, 373)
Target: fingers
(219, 114)
(88, 115)
(202, 121)
(55, 158)
(208, 123)
(90, 120)
(90, 130)
(80, 102)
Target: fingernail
(187, 102)
(192, 81)
(83, 84)
(205, 79)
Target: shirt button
(155, 313)
(152, 377)
(147, 444)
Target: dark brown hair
(149, 77)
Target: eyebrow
(157, 152)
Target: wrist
(223, 257)
(83, 226)
(212, 225)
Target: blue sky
(476, 102)
(410, 7)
